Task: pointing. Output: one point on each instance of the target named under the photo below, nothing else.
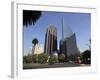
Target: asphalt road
(57, 65)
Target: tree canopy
(30, 17)
(35, 41)
(86, 54)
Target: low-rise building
(38, 49)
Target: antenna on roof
(62, 28)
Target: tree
(28, 58)
(30, 17)
(61, 57)
(89, 44)
(42, 58)
(34, 42)
(52, 59)
(86, 56)
(24, 59)
(35, 58)
(71, 57)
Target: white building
(38, 49)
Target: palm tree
(30, 17)
(34, 42)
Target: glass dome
(55, 54)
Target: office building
(68, 44)
(50, 40)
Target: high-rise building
(68, 45)
(50, 40)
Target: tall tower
(50, 40)
(62, 29)
(68, 45)
(62, 38)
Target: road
(57, 65)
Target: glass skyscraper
(50, 40)
(68, 44)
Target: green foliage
(24, 59)
(27, 59)
(61, 58)
(35, 58)
(86, 57)
(30, 17)
(52, 60)
(42, 58)
(86, 54)
(73, 57)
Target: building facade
(50, 40)
(38, 49)
(68, 46)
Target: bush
(35, 58)
(61, 58)
(86, 57)
(24, 59)
(52, 60)
(28, 58)
(71, 57)
(42, 58)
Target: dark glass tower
(68, 45)
(50, 40)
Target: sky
(78, 23)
